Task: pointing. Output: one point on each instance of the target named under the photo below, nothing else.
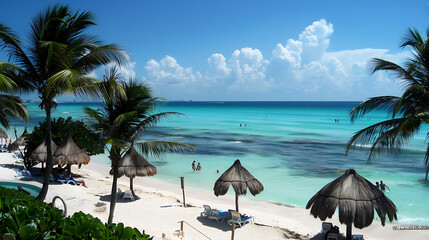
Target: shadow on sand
(224, 226)
(321, 236)
(106, 198)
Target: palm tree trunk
(44, 191)
(114, 157)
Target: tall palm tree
(56, 61)
(407, 112)
(124, 114)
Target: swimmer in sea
(383, 186)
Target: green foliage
(82, 136)
(407, 112)
(27, 218)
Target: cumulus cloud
(168, 71)
(298, 69)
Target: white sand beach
(158, 211)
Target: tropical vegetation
(407, 112)
(12, 106)
(60, 128)
(56, 61)
(123, 116)
(26, 218)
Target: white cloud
(299, 69)
(168, 71)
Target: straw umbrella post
(240, 179)
(356, 198)
(41, 153)
(69, 153)
(133, 164)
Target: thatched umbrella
(241, 179)
(133, 164)
(69, 153)
(41, 152)
(18, 142)
(356, 198)
(3, 134)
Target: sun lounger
(219, 216)
(237, 219)
(207, 211)
(128, 194)
(326, 226)
(119, 193)
(332, 236)
(357, 237)
(64, 180)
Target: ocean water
(293, 148)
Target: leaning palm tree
(124, 114)
(56, 61)
(408, 112)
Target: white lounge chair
(128, 194)
(119, 193)
(332, 236)
(207, 211)
(237, 219)
(326, 226)
(219, 216)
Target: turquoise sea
(293, 148)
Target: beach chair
(207, 211)
(27, 174)
(357, 237)
(326, 227)
(219, 216)
(119, 194)
(237, 219)
(128, 194)
(332, 236)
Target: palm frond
(388, 103)
(387, 135)
(158, 148)
(11, 106)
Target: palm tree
(11, 106)
(407, 112)
(56, 61)
(123, 116)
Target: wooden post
(236, 202)
(233, 230)
(182, 183)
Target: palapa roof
(21, 140)
(41, 152)
(18, 142)
(133, 164)
(69, 153)
(356, 199)
(3, 133)
(240, 178)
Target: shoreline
(158, 210)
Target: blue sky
(249, 50)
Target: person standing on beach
(193, 165)
(383, 186)
(198, 167)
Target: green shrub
(60, 128)
(27, 218)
